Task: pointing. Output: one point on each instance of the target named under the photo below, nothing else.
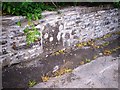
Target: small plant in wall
(32, 35)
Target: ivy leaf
(26, 30)
(32, 35)
(45, 78)
(29, 16)
(36, 16)
(19, 23)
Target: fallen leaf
(82, 62)
(45, 78)
(91, 43)
(62, 71)
(57, 53)
(61, 51)
(105, 44)
(79, 45)
(68, 70)
(107, 52)
(107, 35)
(94, 57)
(84, 43)
(88, 60)
(115, 49)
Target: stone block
(59, 31)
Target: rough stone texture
(87, 76)
(58, 31)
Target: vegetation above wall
(32, 10)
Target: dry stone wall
(58, 31)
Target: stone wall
(58, 31)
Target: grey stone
(75, 24)
(67, 36)
(87, 76)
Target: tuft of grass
(87, 60)
(31, 83)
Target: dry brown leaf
(82, 62)
(45, 78)
(107, 52)
(94, 57)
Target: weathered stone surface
(48, 63)
(71, 26)
(87, 76)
